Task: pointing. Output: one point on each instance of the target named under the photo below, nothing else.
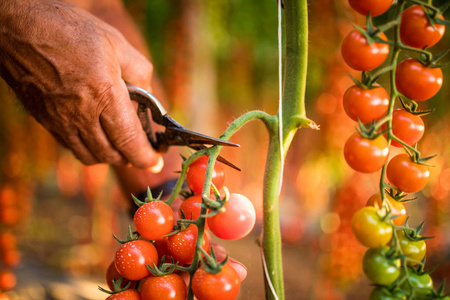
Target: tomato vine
(401, 257)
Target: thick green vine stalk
(292, 117)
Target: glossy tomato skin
(195, 176)
(364, 104)
(154, 219)
(370, 229)
(376, 7)
(417, 81)
(416, 31)
(421, 283)
(191, 208)
(224, 285)
(236, 222)
(378, 268)
(414, 250)
(113, 274)
(366, 155)
(132, 257)
(396, 208)
(163, 250)
(380, 293)
(359, 55)
(181, 245)
(407, 127)
(130, 294)
(406, 175)
(167, 287)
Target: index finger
(123, 128)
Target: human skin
(69, 68)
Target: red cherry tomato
(8, 280)
(396, 208)
(236, 222)
(416, 31)
(125, 295)
(366, 105)
(131, 259)
(406, 175)
(376, 7)
(170, 287)
(181, 245)
(190, 207)
(224, 285)
(407, 127)
(11, 258)
(195, 176)
(154, 219)
(366, 155)
(163, 250)
(416, 81)
(8, 241)
(359, 55)
(113, 274)
(370, 229)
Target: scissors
(174, 134)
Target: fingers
(136, 68)
(122, 127)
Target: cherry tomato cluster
(158, 257)
(11, 213)
(395, 260)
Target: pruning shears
(174, 134)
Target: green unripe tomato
(380, 269)
(414, 250)
(422, 284)
(380, 293)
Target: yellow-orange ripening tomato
(396, 208)
(370, 229)
(358, 54)
(366, 155)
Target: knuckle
(125, 142)
(112, 157)
(105, 96)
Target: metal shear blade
(174, 134)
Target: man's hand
(69, 69)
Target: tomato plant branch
(394, 93)
(293, 117)
(294, 113)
